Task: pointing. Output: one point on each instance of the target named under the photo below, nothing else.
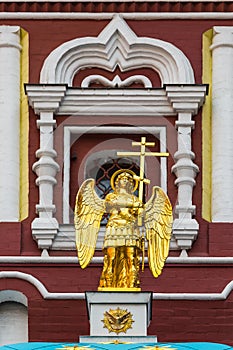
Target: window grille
(104, 174)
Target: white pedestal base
(137, 304)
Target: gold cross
(142, 154)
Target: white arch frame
(118, 45)
(13, 317)
(13, 296)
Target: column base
(43, 231)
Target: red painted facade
(173, 320)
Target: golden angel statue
(123, 241)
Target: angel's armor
(122, 243)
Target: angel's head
(125, 180)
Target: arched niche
(14, 296)
(13, 317)
(179, 96)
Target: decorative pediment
(117, 45)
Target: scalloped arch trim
(116, 45)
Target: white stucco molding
(116, 81)
(139, 16)
(223, 295)
(222, 124)
(51, 260)
(9, 122)
(118, 45)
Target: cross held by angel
(124, 235)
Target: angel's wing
(158, 223)
(89, 209)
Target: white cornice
(126, 15)
(99, 260)
(151, 102)
(81, 296)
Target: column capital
(45, 98)
(186, 98)
(10, 37)
(223, 37)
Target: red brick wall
(193, 320)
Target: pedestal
(119, 316)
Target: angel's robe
(122, 242)
(122, 227)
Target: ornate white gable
(118, 45)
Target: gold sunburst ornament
(118, 320)
(157, 347)
(76, 347)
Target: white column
(222, 125)
(186, 101)
(45, 100)
(9, 122)
(45, 227)
(185, 228)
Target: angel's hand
(140, 211)
(138, 204)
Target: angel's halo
(118, 172)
